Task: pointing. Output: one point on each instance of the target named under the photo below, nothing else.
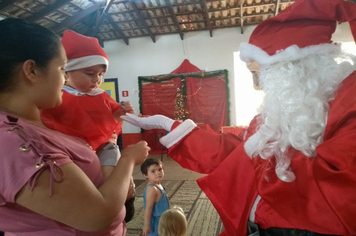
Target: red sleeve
(203, 151)
(111, 102)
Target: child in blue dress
(155, 200)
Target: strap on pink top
(44, 160)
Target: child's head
(87, 61)
(172, 222)
(152, 169)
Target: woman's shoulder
(15, 133)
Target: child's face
(87, 79)
(155, 173)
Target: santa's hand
(150, 122)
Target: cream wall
(142, 57)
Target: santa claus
(294, 173)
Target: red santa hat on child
(302, 29)
(82, 51)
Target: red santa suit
(88, 116)
(322, 198)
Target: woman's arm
(76, 201)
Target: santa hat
(82, 51)
(302, 29)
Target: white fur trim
(254, 208)
(84, 62)
(75, 92)
(249, 52)
(178, 133)
(251, 144)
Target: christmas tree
(180, 111)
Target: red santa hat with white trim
(304, 28)
(82, 51)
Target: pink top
(27, 150)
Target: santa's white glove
(150, 122)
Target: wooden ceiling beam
(45, 11)
(142, 18)
(6, 3)
(118, 30)
(74, 19)
(241, 16)
(206, 14)
(174, 18)
(277, 8)
(93, 31)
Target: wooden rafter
(74, 19)
(6, 3)
(118, 30)
(45, 11)
(241, 16)
(142, 18)
(277, 8)
(93, 31)
(174, 18)
(207, 19)
(125, 19)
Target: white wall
(142, 57)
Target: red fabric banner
(205, 98)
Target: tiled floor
(202, 217)
(172, 170)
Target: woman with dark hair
(51, 183)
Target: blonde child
(172, 222)
(155, 200)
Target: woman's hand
(138, 152)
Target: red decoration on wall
(125, 93)
(188, 92)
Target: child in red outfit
(87, 111)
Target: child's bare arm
(151, 194)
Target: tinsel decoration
(180, 111)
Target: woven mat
(201, 215)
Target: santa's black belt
(254, 230)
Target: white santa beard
(296, 105)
